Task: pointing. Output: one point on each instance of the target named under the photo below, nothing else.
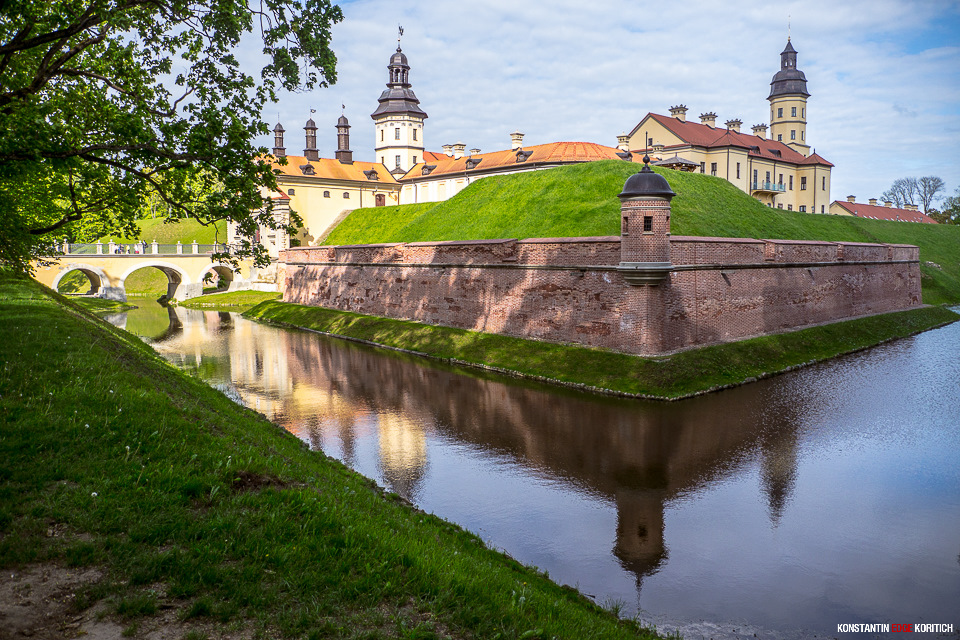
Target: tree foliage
(950, 211)
(923, 192)
(105, 102)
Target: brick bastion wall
(582, 290)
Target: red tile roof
(877, 212)
(335, 170)
(702, 135)
(550, 154)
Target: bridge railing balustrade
(139, 248)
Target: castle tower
(398, 121)
(788, 103)
(278, 149)
(310, 131)
(344, 155)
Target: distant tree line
(925, 192)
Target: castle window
(648, 223)
(398, 157)
(649, 142)
(803, 208)
(822, 209)
(803, 113)
(779, 137)
(414, 136)
(754, 177)
(396, 133)
(738, 171)
(781, 179)
(791, 183)
(703, 167)
(803, 183)
(789, 207)
(793, 134)
(346, 195)
(713, 168)
(381, 135)
(326, 194)
(793, 112)
(801, 135)
(780, 112)
(414, 157)
(291, 192)
(824, 183)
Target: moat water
(780, 509)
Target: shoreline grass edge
(681, 375)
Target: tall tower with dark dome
(788, 103)
(398, 119)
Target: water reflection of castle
(640, 455)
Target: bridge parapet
(140, 248)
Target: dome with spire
(789, 80)
(398, 98)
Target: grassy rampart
(190, 513)
(680, 375)
(581, 200)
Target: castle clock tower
(398, 120)
(788, 103)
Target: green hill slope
(581, 200)
(185, 231)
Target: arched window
(326, 194)
(346, 195)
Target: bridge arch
(178, 280)
(99, 281)
(223, 271)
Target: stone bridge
(107, 265)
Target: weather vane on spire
(788, 27)
(399, 33)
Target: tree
(902, 192)
(927, 189)
(105, 101)
(950, 212)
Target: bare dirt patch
(37, 602)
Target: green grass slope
(185, 231)
(581, 200)
(193, 517)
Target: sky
(884, 75)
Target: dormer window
(307, 170)
(523, 155)
(473, 162)
(372, 174)
(427, 168)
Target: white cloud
(882, 73)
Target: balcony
(768, 187)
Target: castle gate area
(107, 265)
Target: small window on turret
(648, 223)
(793, 112)
(780, 113)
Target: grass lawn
(581, 200)
(672, 377)
(241, 300)
(156, 503)
(186, 231)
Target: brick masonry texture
(569, 289)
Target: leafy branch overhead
(106, 102)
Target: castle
(780, 171)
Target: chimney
(344, 155)
(734, 125)
(658, 152)
(311, 150)
(474, 152)
(709, 118)
(887, 204)
(458, 150)
(516, 140)
(873, 202)
(851, 198)
(760, 130)
(448, 150)
(679, 112)
(623, 142)
(278, 150)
